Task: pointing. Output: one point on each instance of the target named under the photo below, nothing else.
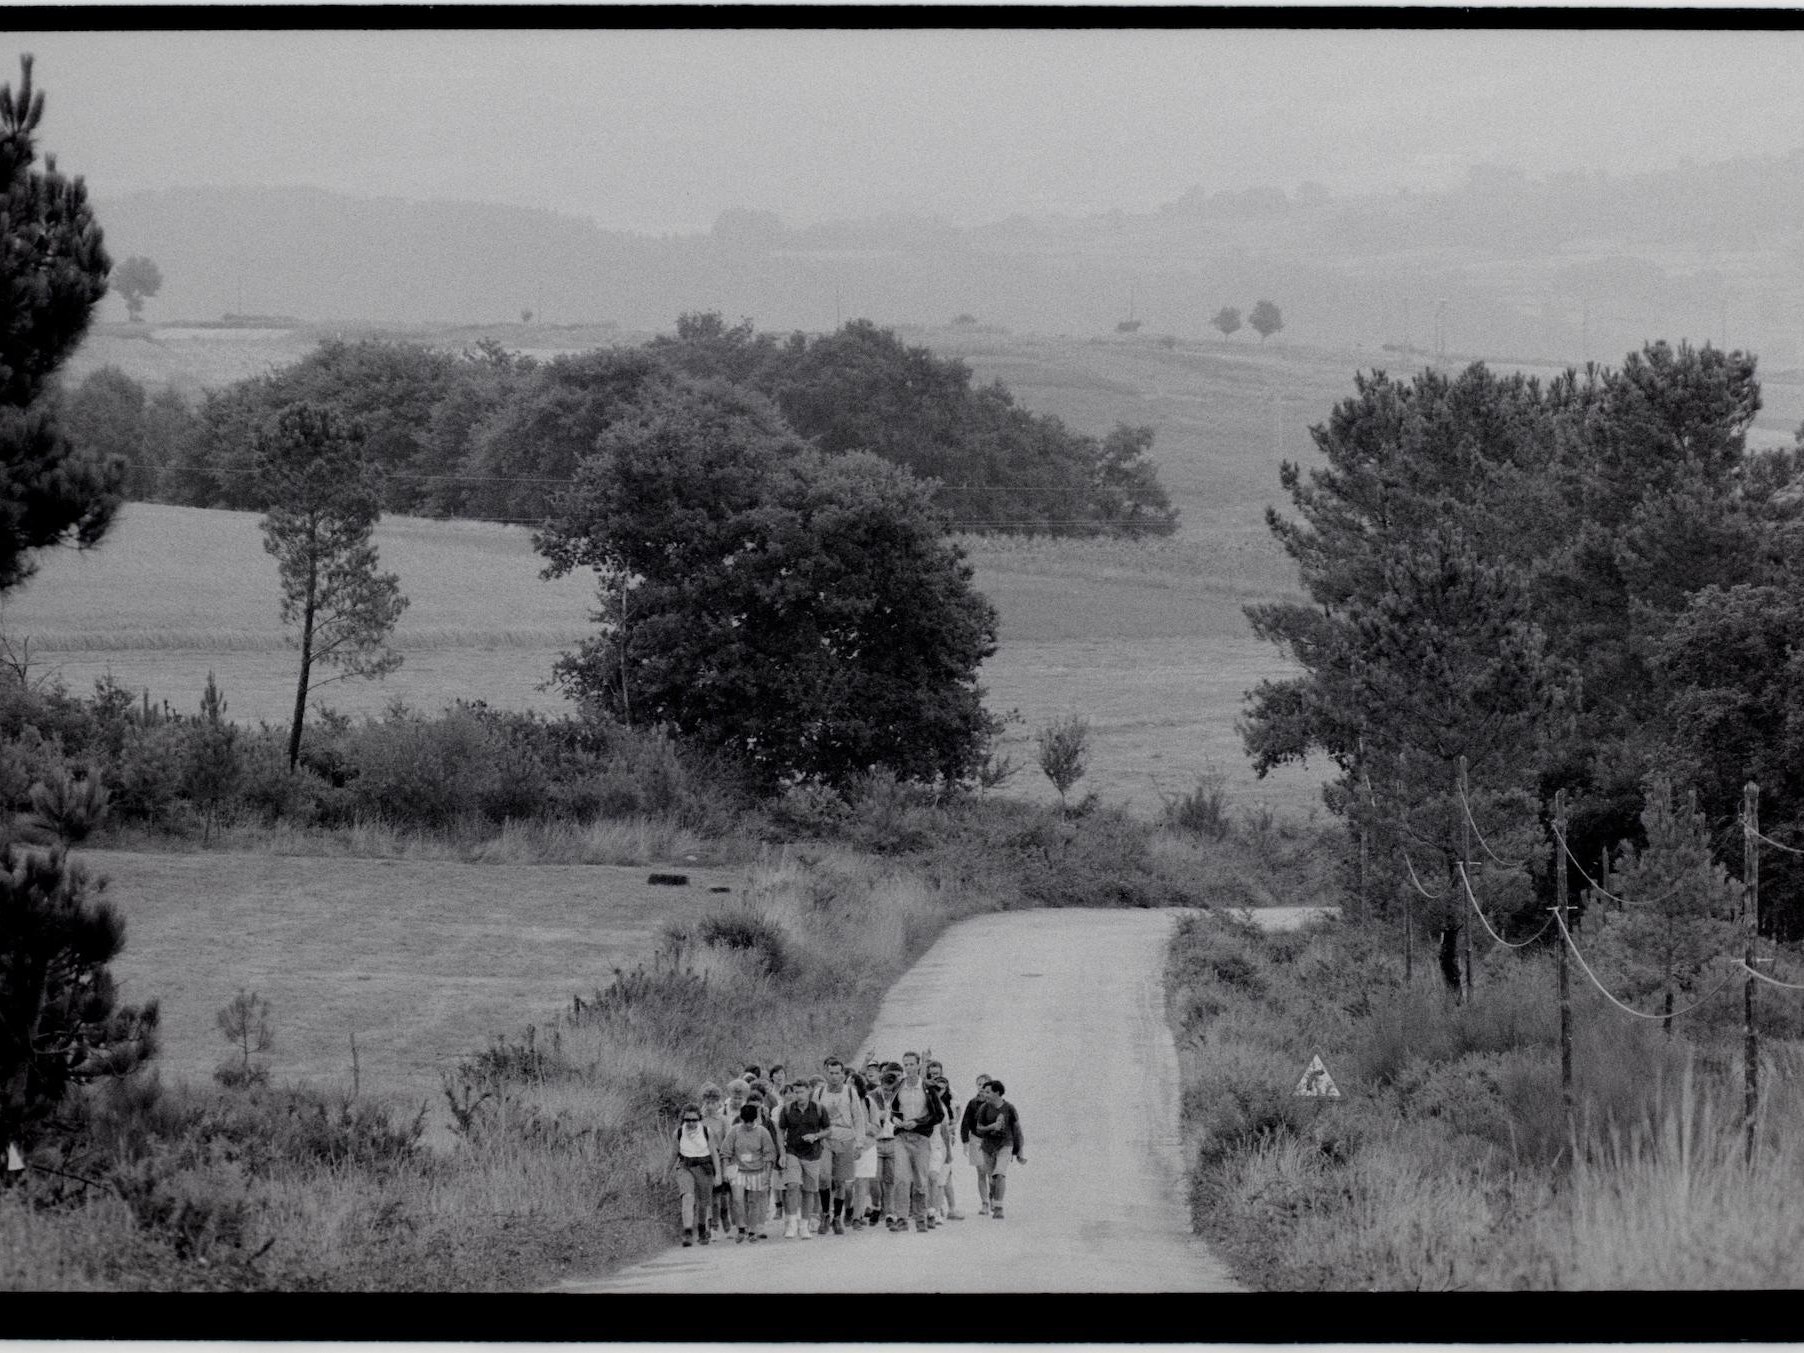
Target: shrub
(1063, 747)
(748, 931)
(1203, 811)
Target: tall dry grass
(561, 1162)
(1449, 1163)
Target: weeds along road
(1067, 1008)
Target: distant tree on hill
(1266, 320)
(53, 271)
(1227, 319)
(135, 279)
(798, 610)
(323, 504)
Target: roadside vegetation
(1447, 1163)
(1543, 651)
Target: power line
(1432, 897)
(1522, 944)
(1770, 981)
(1762, 836)
(1586, 968)
(1507, 864)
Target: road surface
(1067, 1008)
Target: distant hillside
(1506, 266)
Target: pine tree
(53, 272)
(213, 768)
(323, 504)
(60, 1023)
(1679, 903)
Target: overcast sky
(660, 131)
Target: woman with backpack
(698, 1166)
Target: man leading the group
(998, 1128)
(918, 1111)
(804, 1128)
(847, 1130)
(974, 1145)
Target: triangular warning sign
(1316, 1082)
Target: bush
(1203, 811)
(748, 931)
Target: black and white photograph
(892, 654)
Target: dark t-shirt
(998, 1127)
(798, 1121)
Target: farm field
(423, 959)
(1147, 640)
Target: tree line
(490, 434)
(1591, 585)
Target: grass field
(423, 960)
(1147, 640)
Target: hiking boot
(839, 1227)
(921, 1225)
(703, 1235)
(688, 1236)
(740, 1238)
(996, 1211)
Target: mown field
(423, 960)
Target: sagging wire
(1627, 1010)
(1759, 835)
(1467, 807)
(1507, 944)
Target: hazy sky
(660, 131)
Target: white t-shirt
(911, 1100)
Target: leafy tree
(213, 763)
(104, 418)
(135, 279)
(324, 500)
(1266, 319)
(1064, 746)
(1227, 319)
(797, 609)
(53, 271)
(1679, 903)
(543, 422)
(60, 1021)
(1000, 467)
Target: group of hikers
(839, 1150)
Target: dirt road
(1067, 1008)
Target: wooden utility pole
(1750, 908)
(1559, 903)
(1465, 855)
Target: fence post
(1559, 902)
(1750, 908)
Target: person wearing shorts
(847, 1130)
(973, 1146)
(999, 1127)
(698, 1166)
(803, 1125)
(753, 1152)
